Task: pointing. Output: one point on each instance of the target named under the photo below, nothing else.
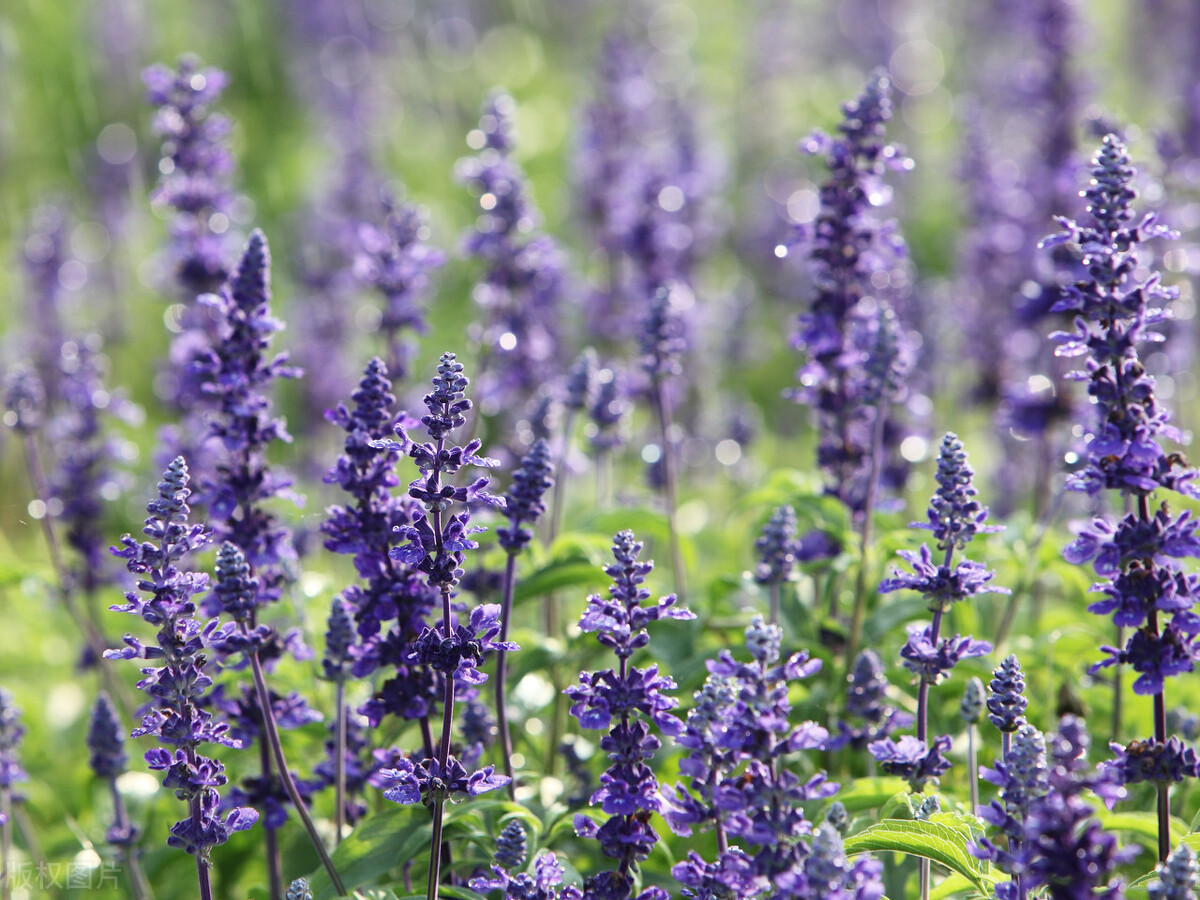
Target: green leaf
(375, 847)
(951, 885)
(871, 793)
(1143, 826)
(557, 575)
(937, 842)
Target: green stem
(670, 486)
(339, 763)
(510, 577)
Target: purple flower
(544, 883)
(931, 661)
(178, 681)
(511, 849)
(431, 781)
(391, 607)
(912, 759)
(523, 503)
(1178, 877)
(866, 701)
(955, 516)
(520, 290)
(849, 373)
(195, 169)
(395, 259)
(776, 547)
(105, 739)
(238, 370)
(460, 655)
(627, 702)
(941, 584)
(1154, 656)
(1060, 845)
(11, 733)
(1150, 760)
(1006, 701)
(1022, 778)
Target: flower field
(581, 451)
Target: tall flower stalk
(663, 344)
(738, 737)
(851, 251)
(1116, 309)
(238, 371)
(520, 290)
(523, 506)
(954, 517)
(175, 678)
(391, 604)
(629, 702)
(437, 541)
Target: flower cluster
(1006, 701)
(1178, 877)
(866, 701)
(390, 592)
(521, 288)
(1054, 841)
(84, 478)
(107, 758)
(1116, 309)
(1022, 778)
(737, 737)
(395, 258)
(238, 369)
(195, 169)
(643, 178)
(851, 340)
(544, 883)
(11, 732)
(177, 681)
(627, 701)
(437, 540)
(955, 517)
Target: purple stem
(272, 735)
(274, 860)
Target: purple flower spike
(195, 167)
(1118, 306)
(178, 679)
(1054, 842)
(628, 701)
(1006, 695)
(520, 291)
(523, 504)
(955, 516)
(738, 785)
(1178, 878)
(777, 547)
(855, 351)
